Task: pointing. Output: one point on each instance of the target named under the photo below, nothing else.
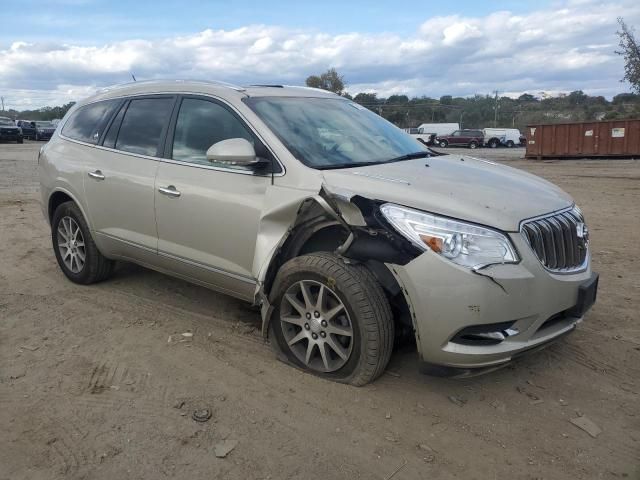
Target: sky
(55, 51)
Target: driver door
(456, 138)
(208, 214)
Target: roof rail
(160, 80)
(311, 88)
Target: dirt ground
(91, 388)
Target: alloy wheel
(316, 326)
(71, 244)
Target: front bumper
(44, 135)
(529, 304)
(10, 136)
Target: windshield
(44, 124)
(6, 121)
(328, 133)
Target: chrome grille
(559, 240)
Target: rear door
(120, 176)
(208, 214)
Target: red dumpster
(611, 138)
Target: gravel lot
(91, 388)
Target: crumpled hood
(465, 188)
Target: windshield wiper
(408, 156)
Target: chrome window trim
(558, 271)
(170, 160)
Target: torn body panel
(328, 221)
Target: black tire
(494, 143)
(443, 144)
(473, 145)
(365, 302)
(96, 267)
(510, 144)
(20, 140)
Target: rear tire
(76, 252)
(305, 292)
(510, 144)
(443, 144)
(20, 140)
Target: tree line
(482, 111)
(44, 113)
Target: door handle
(169, 191)
(97, 175)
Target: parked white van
(427, 132)
(508, 137)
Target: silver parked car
(343, 228)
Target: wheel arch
(59, 196)
(319, 227)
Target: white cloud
(565, 48)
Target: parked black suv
(44, 130)
(9, 131)
(28, 128)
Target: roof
(206, 87)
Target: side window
(199, 125)
(85, 123)
(112, 133)
(142, 125)
(457, 133)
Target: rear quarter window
(85, 123)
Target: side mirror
(233, 151)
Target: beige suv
(344, 229)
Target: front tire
(473, 145)
(332, 318)
(510, 144)
(443, 144)
(76, 252)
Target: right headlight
(465, 244)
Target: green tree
(366, 99)
(526, 97)
(630, 50)
(577, 97)
(330, 80)
(398, 99)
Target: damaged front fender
(356, 231)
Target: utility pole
(495, 111)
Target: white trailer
(426, 132)
(508, 137)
